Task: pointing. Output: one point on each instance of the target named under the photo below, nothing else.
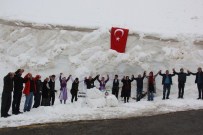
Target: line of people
(14, 82)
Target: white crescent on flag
(117, 37)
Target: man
(6, 95)
(199, 81)
(115, 88)
(166, 82)
(18, 87)
(38, 94)
(52, 89)
(139, 81)
(181, 81)
(90, 82)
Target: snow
(163, 17)
(52, 51)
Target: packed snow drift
(84, 53)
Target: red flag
(118, 39)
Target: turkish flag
(118, 39)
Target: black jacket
(90, 83)
(8, 84)
(18, 83)
(52, 86)
(74, 88)
(39, 86)
(139, 82)
(45, 90)
(197, 76)
(115, 83)
(164, 78)
(127, 87)
(182, 76)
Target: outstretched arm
(107, 79)
(174, 72)
(68, 78)
(192, 73)
(160, 73)
(144, 75)
(96, 77)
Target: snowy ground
(51, 51)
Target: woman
(38, 94)
(63, 94)
(151, 86)
(102, 83)
(45, 93)
(29, 90)
(74, 89)
(127, 88)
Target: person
(17, 93)
(38, 93)
(166, 82)
(199, 81)
(6, 95)
(139, 81)
(74, 89)
(127, 88)
(52, 89)
(181, 81)
(29, 90)
(102, 83)
(90, 81)
(63, 89)
(151, 85)
(115, 88)
(45, 93)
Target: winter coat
(52, 86)
(127, 87)
(139, 82)
(197, 76)
(90, 83)
(8, 84)
(45, 90)
(181, 76)
(115, 84)
(29, 86)
(164, 78)
(74, 88)
(39, 86)
(18, 82)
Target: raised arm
(68, 78)
(174, 72)
(107, 79)
(144, 75)
(160, 73)
(96, 77)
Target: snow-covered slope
(164, 17)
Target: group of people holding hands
(44, 92)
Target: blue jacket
(164, 78)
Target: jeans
(150, 96)
(139, 93)
(28, 102)
(168, 88)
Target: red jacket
(26, 90)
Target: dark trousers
(16, 101)
(37, 100)
(74, 96)
(115, 91)
(181, 87)
(45, 101)
(200, 89)
(168, 88)
(5, 103)
(52, 98)
(139, 94)
(126, 99)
